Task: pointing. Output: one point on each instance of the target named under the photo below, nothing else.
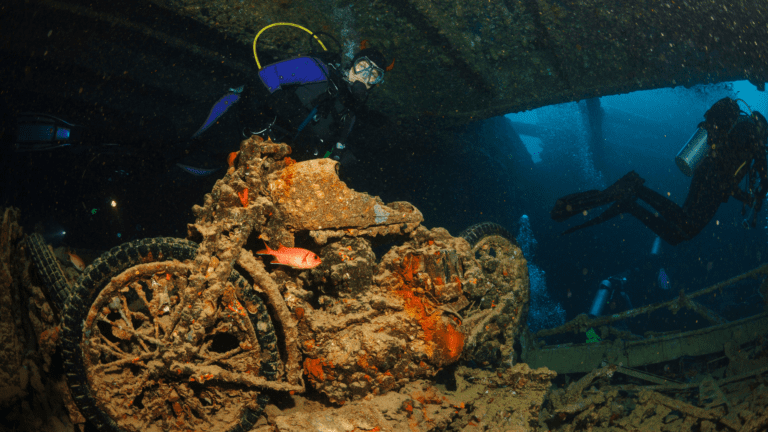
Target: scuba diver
(611, 293)
(726, 148)
(309, 101)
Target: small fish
(663, 280)
(231, 158)
(293, 257)
(76, 261)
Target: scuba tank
(726, 114)
(693, 152)
(601, 298)
(605, 292)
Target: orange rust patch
(428, 396)
(299, 313)
(243, 194)
(431, 325)
(457, 281)
(413, 305)
(231, 158)
(409, 267)
(450, 342)
(288, 161)
(288, 174)
(177, 409)
(314, 368)
(446, 342)
(362, 361)
(51, 335)
(309, 345)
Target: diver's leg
(610, 213)
(573, 204)
(699, 208)
(665, 207)
(671, 233)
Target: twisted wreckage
(200, 334)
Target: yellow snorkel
(255, 56)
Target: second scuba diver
(733, 146)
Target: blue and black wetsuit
(303, 101)
(738, 150)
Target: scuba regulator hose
(255, 39)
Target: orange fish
(76, 261)
(231, 158)
(297, 258)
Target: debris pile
(32, 396)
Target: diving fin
(574, 204)
(197, 171)
(36, 132)
(615, 210)
(219, 108)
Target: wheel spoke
(222, 357)
(142, 320)
(119, 352)
(138, 335)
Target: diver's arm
(741, 195)
(342, 135)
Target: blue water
(641, 131)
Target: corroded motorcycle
(172, 334)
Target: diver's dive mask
(367, 72)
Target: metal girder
(585, 357)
